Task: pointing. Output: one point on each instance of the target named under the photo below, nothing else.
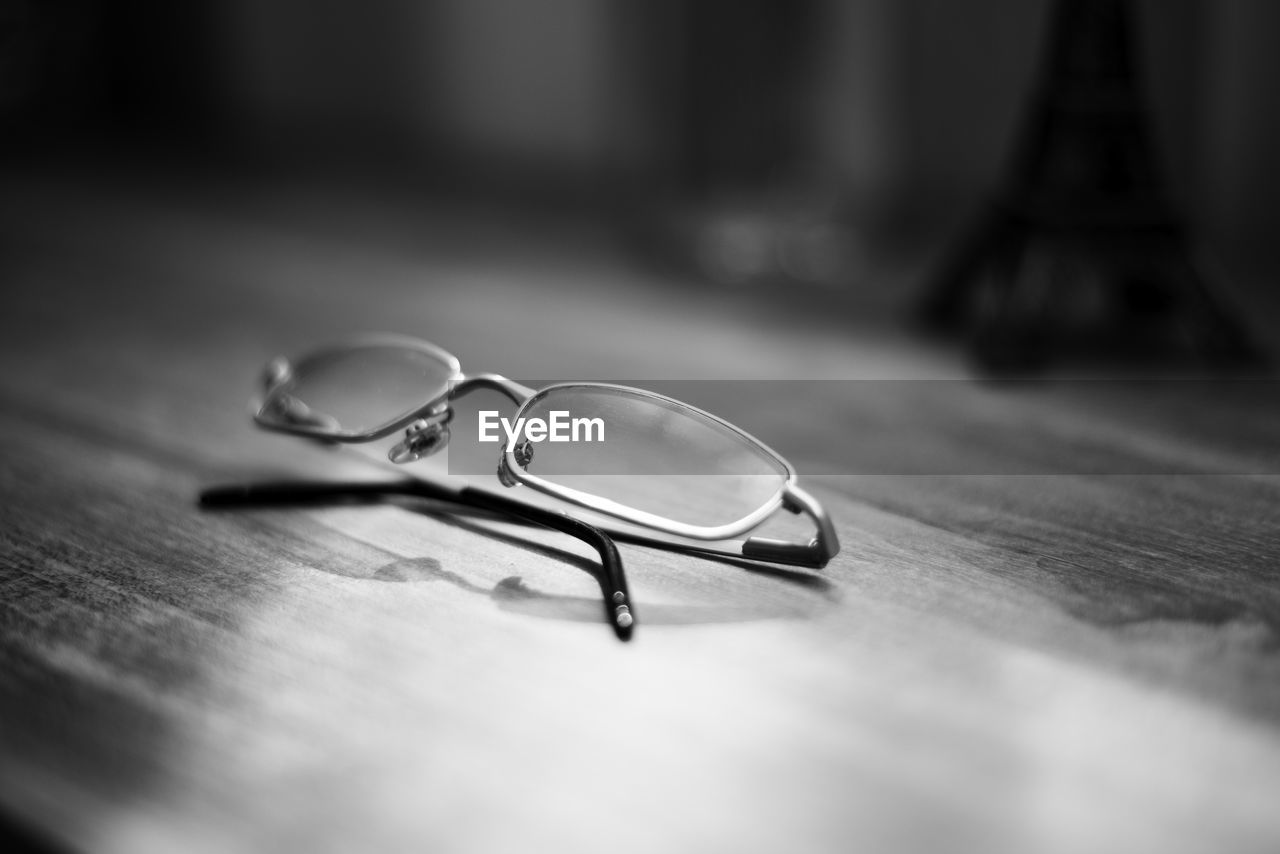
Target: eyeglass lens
(358, 389)
(653, 455)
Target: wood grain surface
(1044, 657)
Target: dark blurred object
(1085, 206)
(46, 56)
(740, 106)
(18, 837)
(730, 86)
(67, 65)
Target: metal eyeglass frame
(426, 431)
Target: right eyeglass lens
(651, 454)
(357, 389)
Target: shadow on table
(514, 595)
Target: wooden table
(1046, 658)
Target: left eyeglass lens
(357, 390)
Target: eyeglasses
(642, 459)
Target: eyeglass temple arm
(618, 611)
(816, 552)
(617, 605)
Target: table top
(1078, 652)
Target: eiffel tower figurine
(1082, 234)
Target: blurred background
(831, 149)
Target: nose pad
(524, 456)
(277, 372)
(422, 438)
(289, 410)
